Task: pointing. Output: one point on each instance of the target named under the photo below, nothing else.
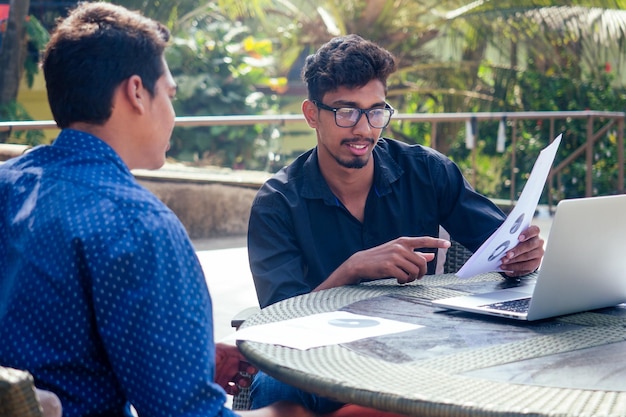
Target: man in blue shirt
(359, 207)
(102, 297)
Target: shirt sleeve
(154, 316)
(467, 215)
(275, 256)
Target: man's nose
(362, 125)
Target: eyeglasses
(349, 116)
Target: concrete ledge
(206, 210)
(180, 173)
(210, 201)
(9, 150)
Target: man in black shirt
(360, 207)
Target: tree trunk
(12, 56)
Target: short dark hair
(91, 52)
(346, 61)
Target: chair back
(456, 255)
(17, 394)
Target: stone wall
(206, 210)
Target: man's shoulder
(287, 186)
(85, 183)
(409, 155)
(290, 176)
(399, 148)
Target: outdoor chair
(456, 255)
(20, 398)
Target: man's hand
(231, 368)
(395, 259)
(526, 256)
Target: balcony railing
(608, 120)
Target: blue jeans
(266, 390)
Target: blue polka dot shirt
(102, 297)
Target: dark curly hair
(346, 61)
(91, 52)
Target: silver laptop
(583, 268)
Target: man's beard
(357, 162)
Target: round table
(458, 364)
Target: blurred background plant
(241, 57)
(22, 36)
(480, 56)
(221, 68)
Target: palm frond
(603, 26)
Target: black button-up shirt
(299, 232)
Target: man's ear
(135, 93)
(311, 113)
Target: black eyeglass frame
(361, 113)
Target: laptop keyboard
(517, 306)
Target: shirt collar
(386, 171)
(84, 142)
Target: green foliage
(550, 93)
(530, 90)
(488, 170)
(37, 38)
(219, 64)
(536, 91)
(218, 67)
(165, 11)
(528, 145)
(15, 111)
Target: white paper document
(487, 257)
(321, 329)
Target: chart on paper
(487, 257)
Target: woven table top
(458, 364)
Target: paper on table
(487, 257)
(321, 329)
